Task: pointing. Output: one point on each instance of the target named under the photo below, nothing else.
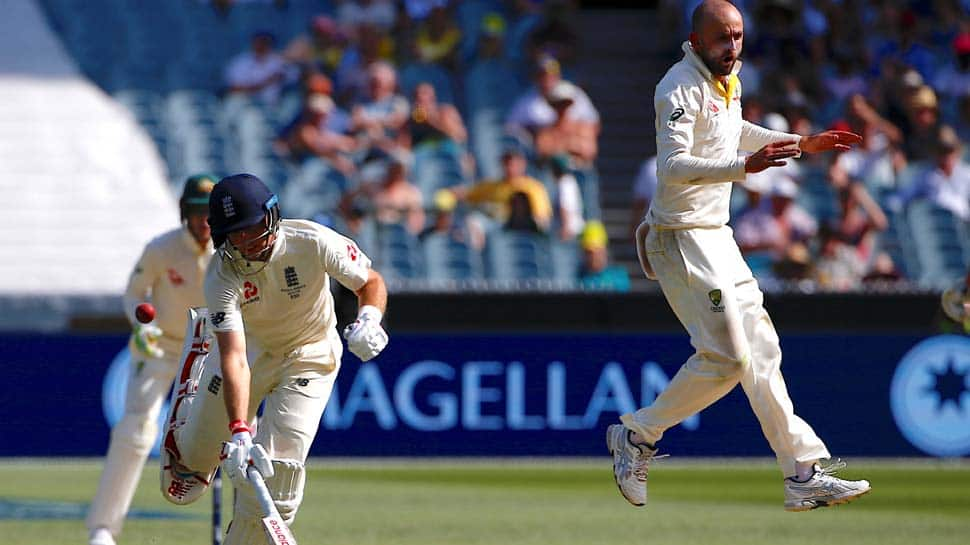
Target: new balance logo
(215, 384)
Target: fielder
(268, 294)
(169, 272)
(685, 243)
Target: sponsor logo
(352, 252)
(279, 535)
(175, 278)
(218, 318)
(716, 298)
(676, 114)
(228, 208)
(303, 382)
(712, 106)
(930, 396)
(250, 293)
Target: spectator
(883, 271)
(860, 219)
(567, 135)
(555, 35)
(259, 72)
(838, 267)
(644, 187)
(491, 37)
(767, 231)
(438, 39)
(433, 123)
(381, 14)
(923, 124)
(595, 271)
(567, 201)
(521, 216)
(394, 200)
(369, 47)
(445, 222)
(533, 111)
(495, 197)
(322, 50)
(310, 136)
(384, 113)
(873, 162)
(946, 185)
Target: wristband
(237, 426)
(369, 312)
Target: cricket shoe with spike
(823, 489)
(631, 463)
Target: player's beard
(719, 64)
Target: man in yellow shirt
(494, 196)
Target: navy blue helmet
(240, 201)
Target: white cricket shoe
(823, 489)
(630, 464)
(101, 536)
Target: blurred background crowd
(459, 141)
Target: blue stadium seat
(399, 254)
(518, 256)
(448, 259)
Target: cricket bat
(277, 532)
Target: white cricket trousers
(714, 295)
(132, 437)
(294, 388)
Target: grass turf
(510, 502)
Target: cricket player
(169, 273)
(685, 243)
(268, 294)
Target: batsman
(267, 337)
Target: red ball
(145, 312)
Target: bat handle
(262, 493)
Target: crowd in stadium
(352, 113)
(897, 73)
(403, 122)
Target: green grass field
(520, 502)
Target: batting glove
(146, 340)
(239, 453)
(365, 336)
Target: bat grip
(262, 493)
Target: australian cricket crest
(716, 300)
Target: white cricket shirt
(288, 303)
(170, 273)
(699, 132)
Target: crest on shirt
(293, 286)
(713, 107)
(716, 299)
(174, 277)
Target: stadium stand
(82, 183)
